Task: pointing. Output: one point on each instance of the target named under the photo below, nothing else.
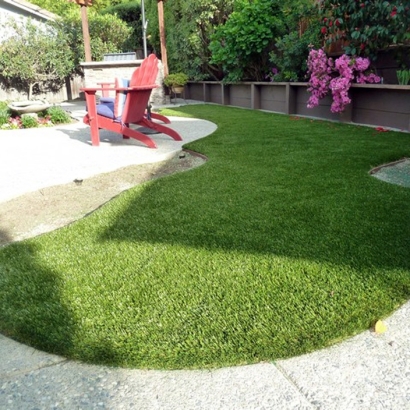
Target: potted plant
(176, 82)
(403, 76)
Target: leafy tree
(108, 34)
(131, 14)
(189, 26)
(35, 56)
(59, 7)
(42, 57)
(289, 57)
(63, 7)
(243, 43)
(368, 25)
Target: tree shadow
(32, 309)
(5, 237)
(340, 229)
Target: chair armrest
(143, 87)
(106, 87)
(137, 87)
(92, 89)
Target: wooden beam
(86, 33)
(164, 58)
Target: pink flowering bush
(45, 121)
(14, 123)
(320, 69)
(336, 76)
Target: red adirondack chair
(107, 99)
(128, 107)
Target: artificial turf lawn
(280, 244)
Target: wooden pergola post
(162, 36)
(84, 22)
(86, 33)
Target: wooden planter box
(384, 105)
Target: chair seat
(107, 110)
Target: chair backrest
(146, 73)
(137, 101)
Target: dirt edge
(51, 208)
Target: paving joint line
(14, 374)
(293, 383)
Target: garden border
(385, 105)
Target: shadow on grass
(31, 307)
(286, 194)
(5, 237)
(364, 229)
(33, 311)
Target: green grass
(280, 244)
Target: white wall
(21, 10)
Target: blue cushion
(107, 100)
(106, 110)
(120, 96)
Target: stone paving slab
(71, 385)
(17, 359)
(369, 371)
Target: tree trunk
(30, 90)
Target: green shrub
(176, 80)
(108, 35)
(58, 115)
(27, 121)
(189, 26)
(35, 56)
(131, 14)
(403, 77)
(368, 26)
(59, 7)
(241, 46)
(4, 117)
(4, 113)
(292, 50)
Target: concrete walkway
(369, 371)
(35, 158)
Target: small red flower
(330, 23)
(323, 30)
(337, 22)
(362, 5)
